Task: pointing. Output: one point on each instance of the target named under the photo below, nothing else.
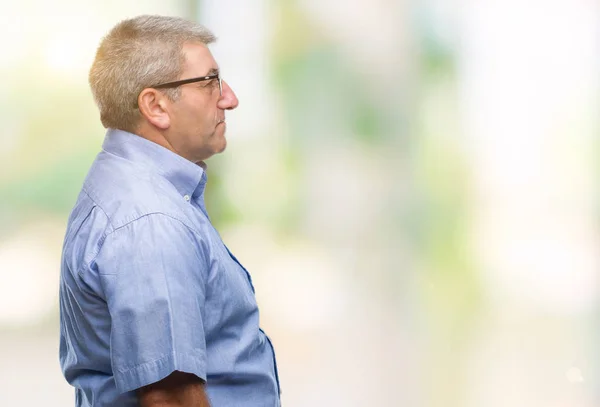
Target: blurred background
(412, 184)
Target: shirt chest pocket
(236, 276)
(231, 292)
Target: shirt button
(186, 197)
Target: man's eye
(210, 84)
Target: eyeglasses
(186, 81)
(191, 80)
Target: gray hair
(138, 53)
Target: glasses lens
(220, 87)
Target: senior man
(154, 308)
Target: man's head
(141, 54)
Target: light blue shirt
(148, 287)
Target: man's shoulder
(119, 197)
(125, 191)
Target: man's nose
(228, 100)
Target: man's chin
(222, 147)
(220, 143)
(220, 133)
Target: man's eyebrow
(213, 71)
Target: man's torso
(124, 196)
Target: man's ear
(153, 106)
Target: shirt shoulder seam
(135, 220)
(167, 215)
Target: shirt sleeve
(153, 275)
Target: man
(155, 310)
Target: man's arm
(176, 390)
(156, 327)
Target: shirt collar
(187, 177)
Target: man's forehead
(199, 60)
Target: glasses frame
(175, 84)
